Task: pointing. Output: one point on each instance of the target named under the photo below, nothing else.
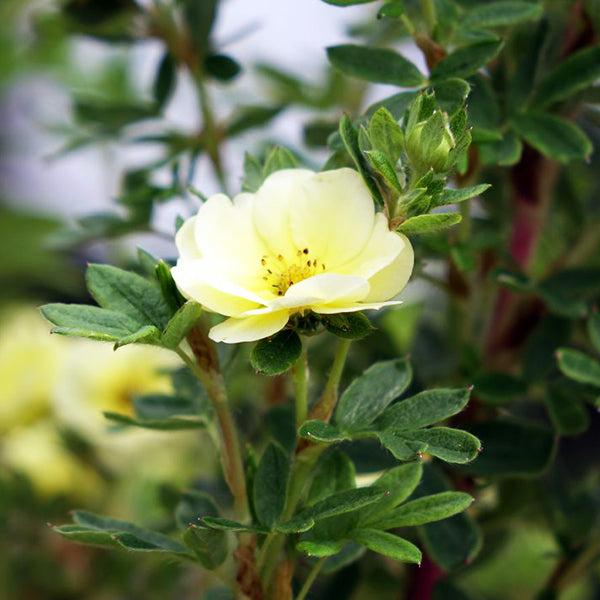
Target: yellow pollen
(281, 275)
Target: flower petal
(381, 249)
(248, 329)
(333, 216)
(391, 280)
(185, 240)
(271, 210)
(227, 239)
(340, 308)
(219, 296)
(325, 288)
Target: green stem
(324, 407)
(310, 579)
(229, 446)
(429, 14)
(300, 378)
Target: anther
(279, 257)
(263, 262)
(305, 250)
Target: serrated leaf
(425, 510)
(466, 60)
(384, 167)
(129, 294)
(349, 136)
(89, 321)
(270, 484)
(499, 14)
(319, 431)
(276, 354)
(399, 482)
(379, 65)
(578, 366)
(209, 546)
(455, 196)
(368, 395)
(386, 134)
(553, 136)
(578, 71)
(319, 548)
(181, 324)
(387, 544)
(351, 326)
(450, 445)
(426, 408)
(428, 223)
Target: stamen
(305, 250)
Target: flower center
(281, 274)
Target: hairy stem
(229, 447)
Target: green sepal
(276, 354)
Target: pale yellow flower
(304, 241)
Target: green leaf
(368, 395)
(209, 546)
(593, 327)
(270, 484)
(578, 71)
(276, 354)
(379, 65)
(498, 14)
(148, 334)
(451, 93)
(229, 525)
(425, 510)
(497, 388)
(505, 152)
(349, 136)
(165, 80)
(192, 507)
(399, 483)
(277, 160)
(334, 473)
(466, 60)
(127, 534)
(387, 544)
(253, 174)
(397, 445)
(222, 67)
(578, 366)
(553, 136)
(428, 223)
(319, 431)
(319, 548)
(129, 294)
(181, 324)
(163, 406)
(396, 104)
(426, 408)
(391, 10)
(168, 287)
(567, 413)
(460, 195)
(450, 445)
(199, 17)
(384, 167)
(351, 326)
(336, 504)
(85, 535)
(89, 321)
(386, 134)
(511, 448)
(455, 541)
(174, 423)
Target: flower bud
(429, 143)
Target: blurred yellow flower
(304, 242)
